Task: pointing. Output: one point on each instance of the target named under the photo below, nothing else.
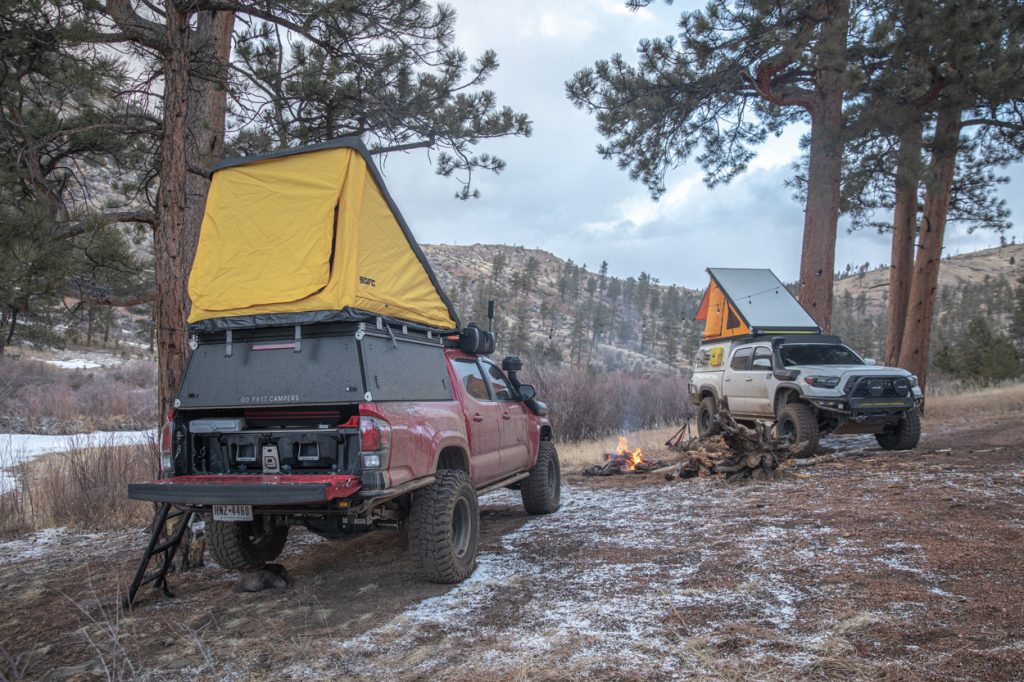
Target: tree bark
(904, 230)
(88, 325)
(171, 336)
(207, 107)
(9, 336)
(821, 216)
(918, 327)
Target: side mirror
(870, 361)
(527, 391)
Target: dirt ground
(887, 565)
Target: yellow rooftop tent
(745, 301)
(309, 235)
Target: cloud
(558, 194)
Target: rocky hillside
(969, 268)
(570, 314)
(553, 309)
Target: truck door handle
(750, 378)
(477, 417)
(506, 415)
(728, 378)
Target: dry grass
(84, 487)
(39, 398)
(978, 402)
(592, 451)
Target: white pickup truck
(809, 385)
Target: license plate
(232, 512)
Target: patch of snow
(617, 575)
(77, 363)
(31, 546)
(22, 447)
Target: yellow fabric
(716, 325)
(391, 279)
(374, 266)
(267, 232)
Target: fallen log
(739, 452)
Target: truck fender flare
(706, 389)
(785, 394)
(452, 453)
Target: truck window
(499, 384)
(762, 359)
(471, 378)
(818, 354)
(741, 359)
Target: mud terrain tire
(799, 421)
(707, 418)
(244, 545)
(904, 436)
(542, 490)
(444, 528)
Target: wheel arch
(709, 390)
(786, 394)
(452, 457)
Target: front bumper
(254, 489)
(863, 409)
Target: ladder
(168, 548)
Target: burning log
(623, 461)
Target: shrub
(84, 487)
(586, 404)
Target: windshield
(818, 354)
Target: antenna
(490, 315)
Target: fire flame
(634, 456)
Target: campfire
(623, 461)
(629, 458)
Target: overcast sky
(557, 194)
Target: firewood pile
(738, 452)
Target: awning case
(309, 230)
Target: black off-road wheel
(444, 528)
(245, 545)
(542, 490)
(903, 436)
(799, 423)
(707, 418)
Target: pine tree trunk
(904, 229)
(9, 336)
(88, 325)
(207, 105)
(918, 327)
(821, 216)
(171, 337)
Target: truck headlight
(912, 379)
(822, 381)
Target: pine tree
(61, 123)
(737, 73)
(382, 69)
(1017, 319)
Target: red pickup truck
(344, 428)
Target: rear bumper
(259, 490)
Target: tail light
(166, 454)
(374, 441)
